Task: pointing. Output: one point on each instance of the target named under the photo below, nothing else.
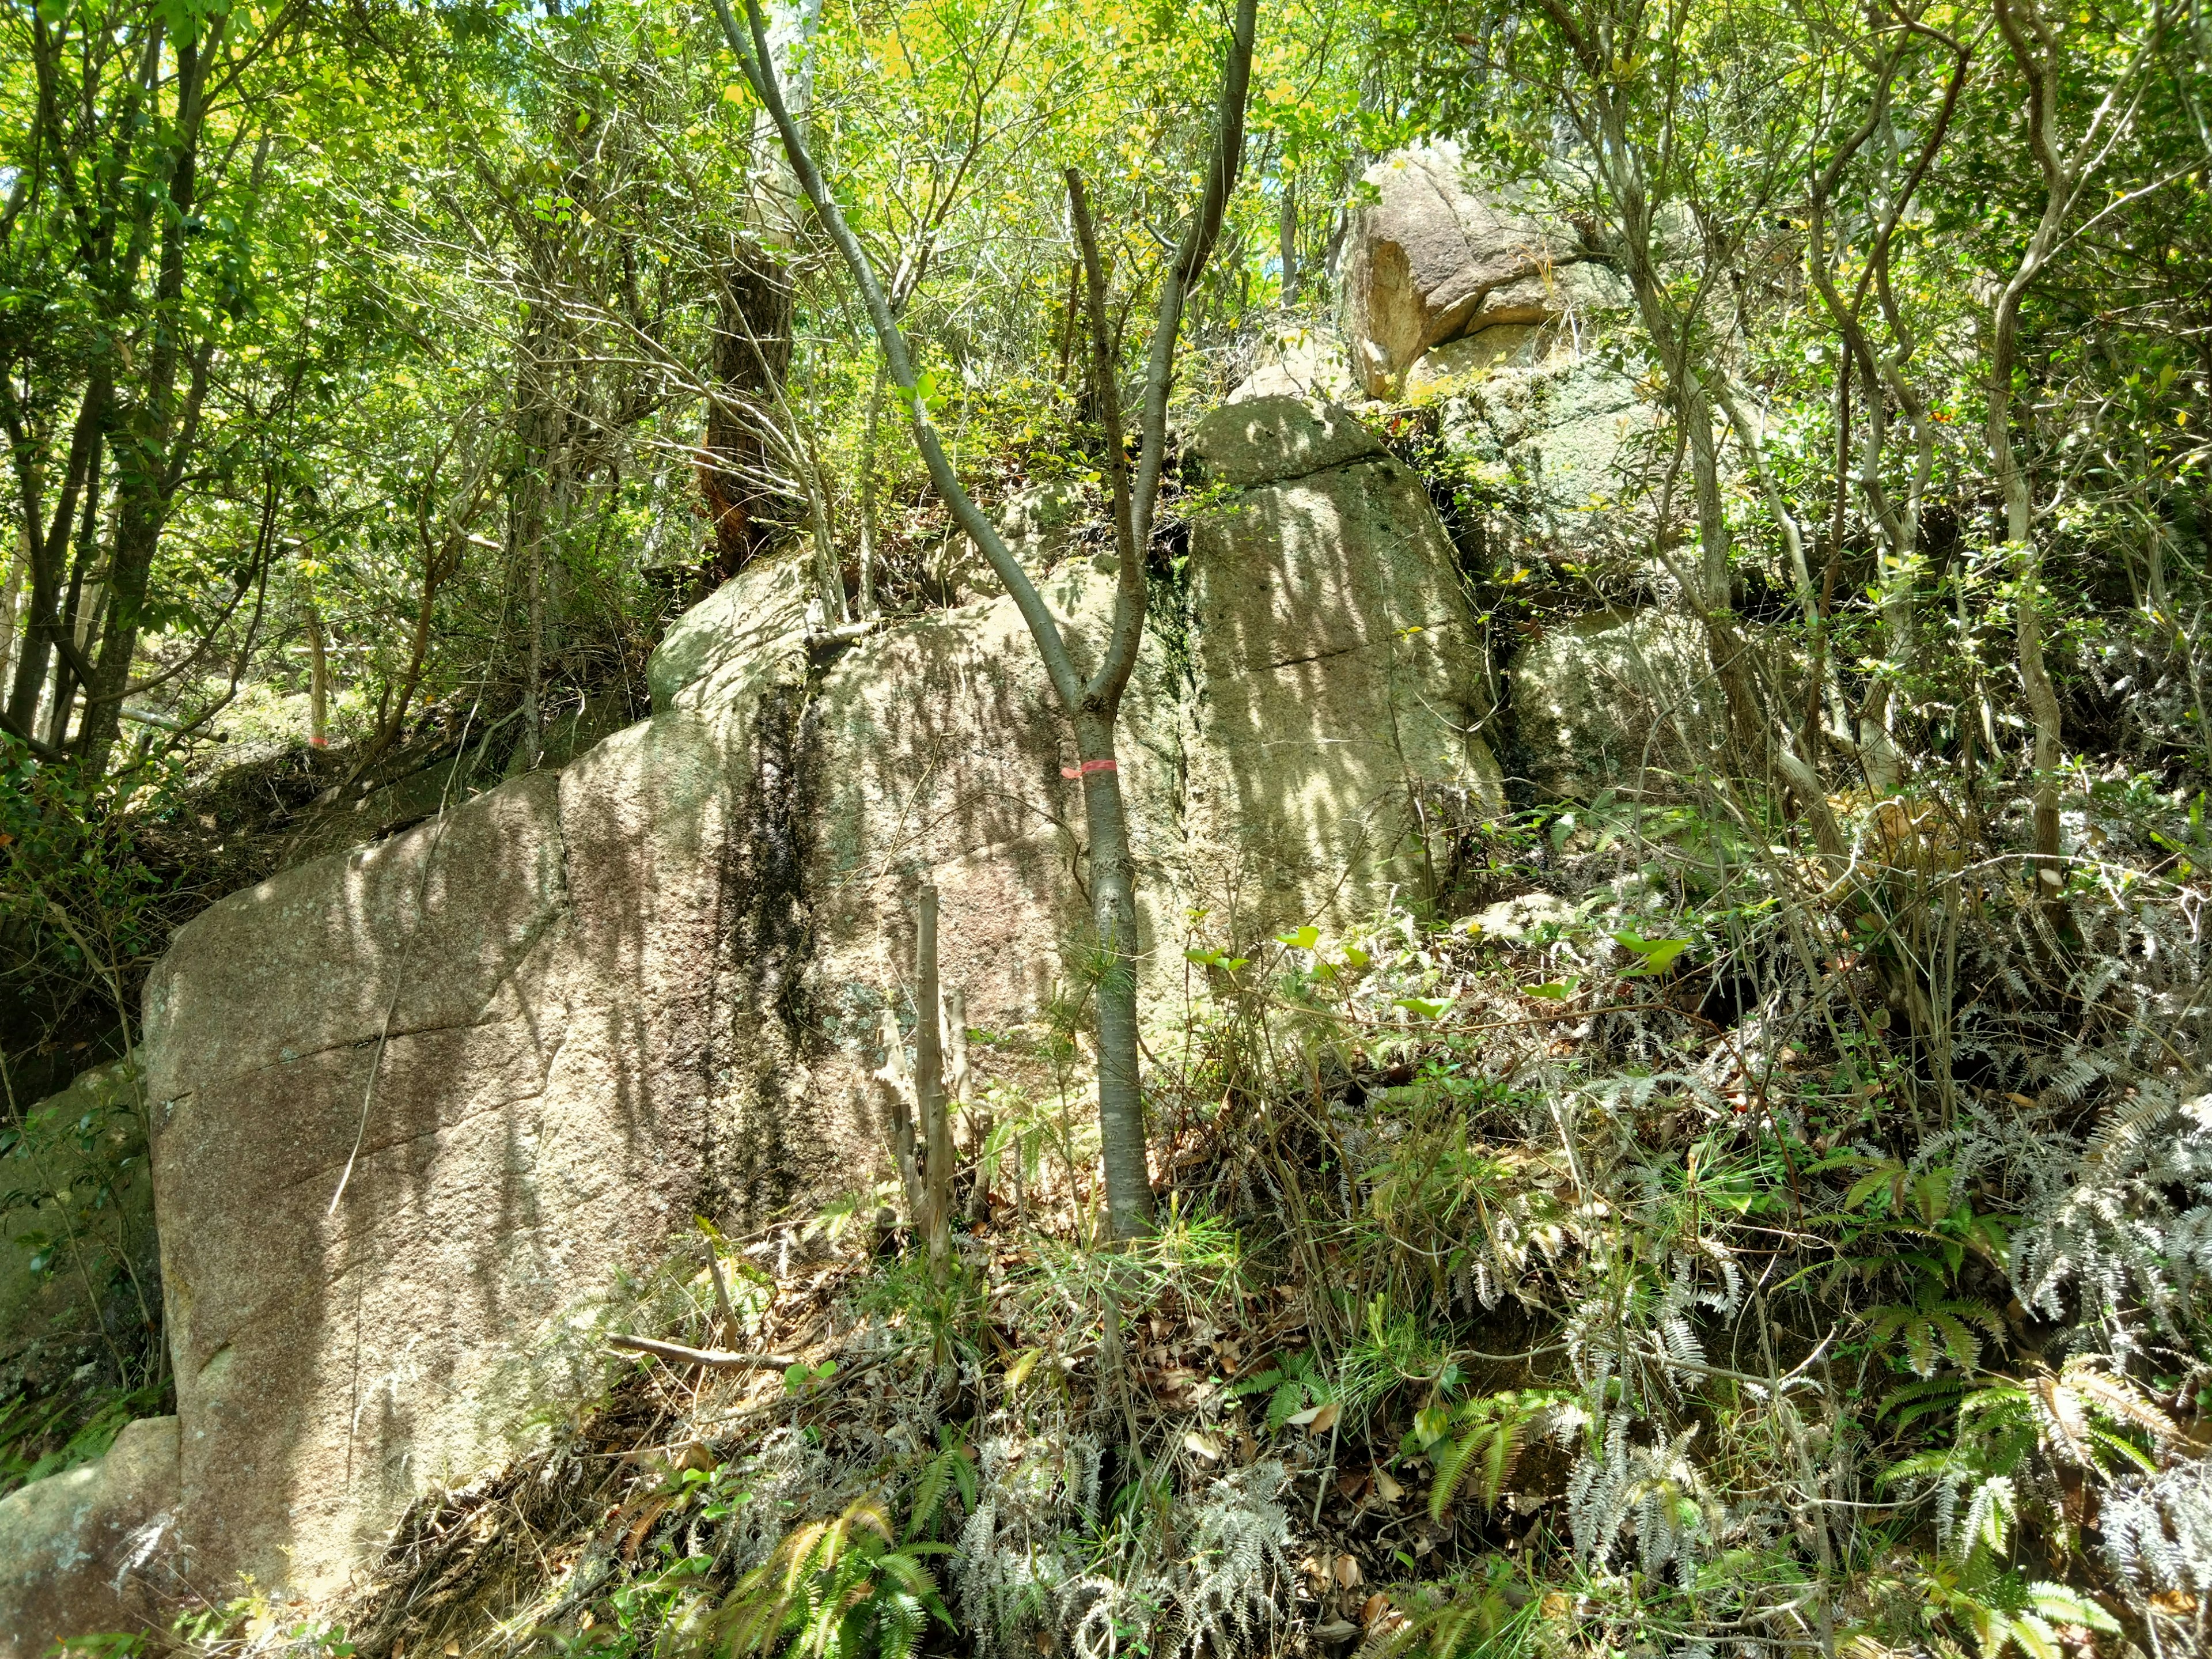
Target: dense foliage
(1799, 1240)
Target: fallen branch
(715, 1358)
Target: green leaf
(1657, 954)
(1303, 940)
(1217, 959)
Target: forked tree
(1091, 706)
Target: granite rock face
(89, 1551)
(1621, 700)
(416, 1106)
(1339, 682)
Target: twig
(715, 1358)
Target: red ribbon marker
(1087, 767)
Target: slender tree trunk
(1697, 414)
(960, 1090)
(534, 685)
(1090, 705)
(81, 611)
(11, 599)
(318, 681)
(896, 1084)
(47, 549)
(1113, 913)
(869, 608)
(2036, 52)
(1287, 234)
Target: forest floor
(1710, 1251)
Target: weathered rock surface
(86, 1553)
(1338, 674)
(1566, 432)
(1616, 699)
(1437, 255)
(417, 1104)
(1298, 362)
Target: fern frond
(2120, 1400)
(1499, 1456)
(1451, 1463)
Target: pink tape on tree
(1087, 767)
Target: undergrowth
(1747, 1255)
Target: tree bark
(318, 681)
(960, 1092)
(752, 357)
(148, 471)
(1092, 705)
(46, 549)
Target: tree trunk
(752, 357)
(1114, 913)
(869, 608)
(929, 1088)
(896, 1084)
(147, 469)
(960, 1091)
(318, 681)
(11, 599)
(47, 555)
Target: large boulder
(1337, 676)
(1618, 700)
(418, 1104)
(88, 1551)
(1436, 254)
(414, 1105)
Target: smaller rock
(1515, 919)
(1615, 698)
(1299, 362)
(81, 1552)
(749, 616)
(1459, 366)
(1269, 439)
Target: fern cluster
(1656, 1490)
(1230, 1594)
(2158, 1530)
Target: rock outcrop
(1436, 255)
(416, 1105)
(1337, 678)
(1620, 700)
(1298, 362)
(1568, 430)
(89, 1551)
